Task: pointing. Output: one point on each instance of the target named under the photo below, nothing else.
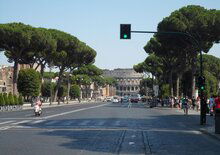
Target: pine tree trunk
(177, 86)
(171, 82)
(68, 88)
(58, 84)
(15, 78)
(193, 76)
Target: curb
(207, 131)
(55, 104)
(213, 135)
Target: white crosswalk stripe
(52, 122)
(67, 123)
(84, 123)
(38, 121)
(24, 121)
(100, 123)
(117, 123)
(5, 127)
(6, 122)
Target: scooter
(37, 110)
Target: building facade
(128, 81)
(6, 77)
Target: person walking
(185, 105)
(211, 105)
(198, 103)
(217, 103)
(193, 102)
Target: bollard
(217, 120)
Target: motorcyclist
(38, 107)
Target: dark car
(134, 98)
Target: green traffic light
(202, 88)
(125, 36)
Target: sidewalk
(208, 128)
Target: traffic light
(201, 82)
(125, 31)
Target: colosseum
(128, 80)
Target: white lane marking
(29, 115)
(84, 123)
(25, 121)
(133, 136)
(38, 121)
(117, 123)
(67, 122)
(5, 127)
(6, 122)
(19, 118)
(51, 122)
(69, 112)
(175, 131)
(100, 123)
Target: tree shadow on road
(113, 135)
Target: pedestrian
(211, 105)
(198, 103)
(172, 102)
(185, 105)
(129, 105)
(217, 103)
(178, 102)
(193, 102)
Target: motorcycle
(37, 110)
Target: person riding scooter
(37, 107)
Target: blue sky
(96, 22)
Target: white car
(108, 99)
(115, 100)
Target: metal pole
(202, 96)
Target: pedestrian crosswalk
(44, 123)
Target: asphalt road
(103, 128)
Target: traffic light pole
(201, 92)
(203, 103)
